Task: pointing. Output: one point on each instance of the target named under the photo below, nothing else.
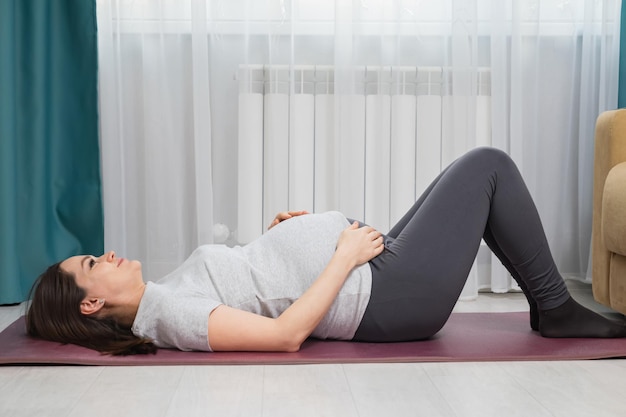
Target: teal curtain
(50, 189)
(621, 98)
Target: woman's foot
(573, 320)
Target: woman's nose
(108, 257)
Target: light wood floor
(569, 389)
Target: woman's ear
(91, 306)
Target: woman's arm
(231, 329)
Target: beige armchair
(609, 211)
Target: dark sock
(573, 320)
(534, 310)
(534, 316)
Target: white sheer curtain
(155, 128)
(169, 104)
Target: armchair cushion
(614, 210)
(617, 287)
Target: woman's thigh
(420, 274)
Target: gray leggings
(417, 279)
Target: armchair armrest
(610, 150)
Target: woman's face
(105, 278)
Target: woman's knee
(490, 158)
(489, 155)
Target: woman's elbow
(288, 338)
(291, 343)
(293, 346)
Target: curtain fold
(528, 77)
(49, 158)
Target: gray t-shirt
(264, 277)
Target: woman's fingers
(377, 242)
(285, 215)
(362, 244)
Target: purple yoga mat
(466, 337)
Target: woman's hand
(284, 215)
(360, 244)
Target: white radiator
(367, 151)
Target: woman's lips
(120, 262)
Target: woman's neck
(126, 311)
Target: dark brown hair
(54, 314)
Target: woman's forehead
(72, 264)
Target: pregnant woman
(323, 276)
